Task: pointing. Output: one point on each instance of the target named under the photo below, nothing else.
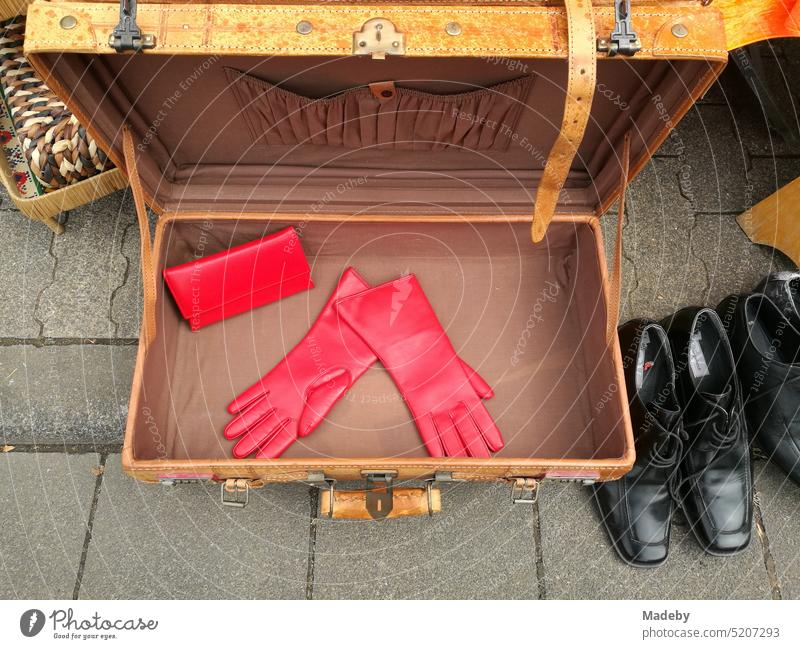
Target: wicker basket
(49, 163)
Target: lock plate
(377, 38)
(379, 492)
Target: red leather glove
(295, 396)
(292, 399)
(398, 323)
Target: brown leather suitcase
(564, 102)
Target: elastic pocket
(383, 115)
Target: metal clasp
(623, 39)
(317, 479)
(379, 497)
(126, 35)
(235, 492)
(524, 491)
(377, 38)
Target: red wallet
(239, 279)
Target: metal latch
(623, 39)
(377, 38)
(235, 492)
(380, 492)
(127, 36)
(524, 491)
(318, 479)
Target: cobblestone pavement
(75, 526)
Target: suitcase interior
(530, 318)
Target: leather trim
(615, 281)
(148, 274)
(581, 80)
(270, 29)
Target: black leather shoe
(637, 509)
(716, 483)
(767, 349)
(784, 290)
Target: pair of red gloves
(395, 323)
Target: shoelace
(668, 453)
(722, 438)
(724, 427)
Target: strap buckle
(235, 492)
(524, 491)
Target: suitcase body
(227, 143)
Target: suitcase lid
(221, 100)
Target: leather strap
(615, 281)
(148, 274)
(582, 75)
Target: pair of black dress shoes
(690, 437)
(764, 329)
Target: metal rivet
(679, 30)
(453, 29)
(304, 27)
(68, 22)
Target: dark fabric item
(784, 290)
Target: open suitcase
(540, 108)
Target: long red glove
(398, 323)
(295, 396)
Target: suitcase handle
(353, 505)
(378, 500)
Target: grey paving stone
(152, 541)
(732, 263)
(779, 499)
(45, 499)
(126, 300)
(480, 546)
(712, 162)
(579, 562)
(26, 269)
(90, 267)
(657, 242)
(69, 394)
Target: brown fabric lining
(198, 150)
(386, 115)
(530, 319)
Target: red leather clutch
(239, 279)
